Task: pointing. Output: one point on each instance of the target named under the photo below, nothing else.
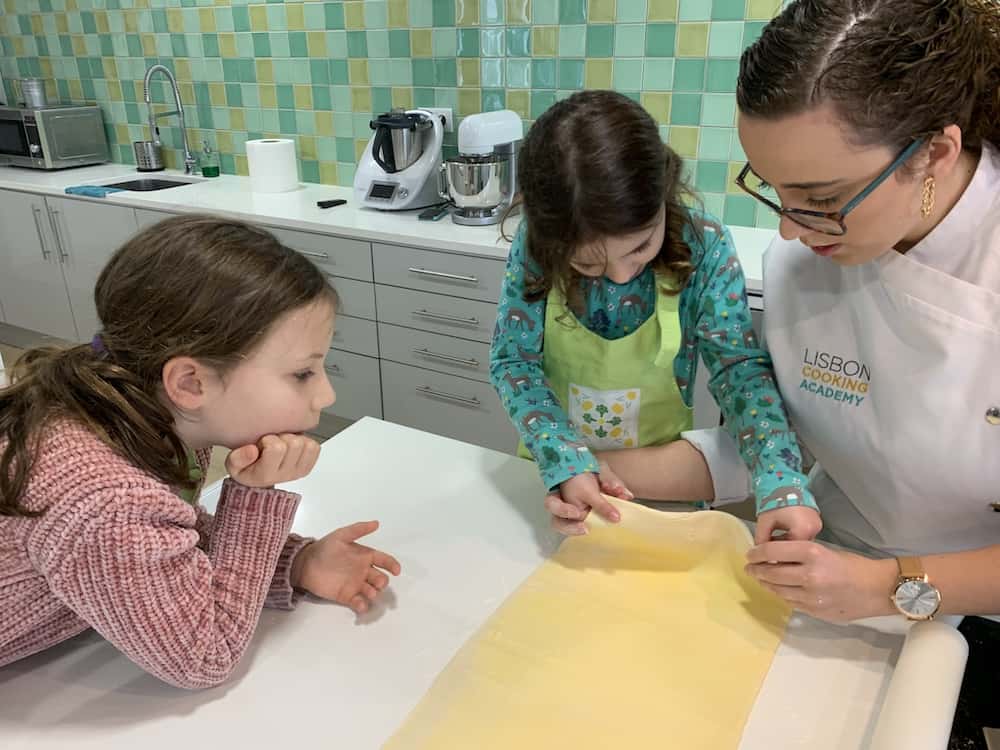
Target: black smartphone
(434, 213)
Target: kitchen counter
(231, 195)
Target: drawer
(446, 405)
(432, 271)
(337, 255)
(469, 359)
(357, 298)
(356, 335)
(451, 316)
(357, 383)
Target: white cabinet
(32, 285)
(145, 217)
(87, 234)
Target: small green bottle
(209, 161)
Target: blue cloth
(92, 191)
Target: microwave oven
(52, 137)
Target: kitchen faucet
(189, 160)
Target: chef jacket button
(993, 416)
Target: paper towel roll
(920, 702)
(272, 165)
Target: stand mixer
(482, 181)
(399, 166)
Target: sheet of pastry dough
(644, 634)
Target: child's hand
(570, 504)
(272, 460)
(800, 524)
(339, 569)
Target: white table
(468, 526)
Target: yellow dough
(644, 634)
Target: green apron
(622, 393)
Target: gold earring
(927, 202)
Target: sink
(145, 184)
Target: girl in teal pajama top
(613, 291)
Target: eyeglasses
(826, 222)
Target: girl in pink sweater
(213, 334)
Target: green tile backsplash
(317, 71)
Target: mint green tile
(297, 45)
(541, 101)
(725, 39)
(342, 123)
(710, 176)
(276, 18)
(339, 72)
(251, 99)
(400, 73)
(689, 75)
(319, 72)
(280, 46)
(361, 124)
(685, 109)
(376, 14)
(283, 71)
(715, 204)
(446, 97)
(227, 164)
(321, 98)
(286, 96)
(223, 20)
(752, 31)
(630, 39)
(737, 153)
(326, 149)
(492, 42)
(722, 75)
(715, 143)
(345, 173)
(399, 42)
(378, 42)
(190, 20)
(492, 100)
(159, 17)
(627, 75)
(740, 211)
(695, 10)
(333, 15)
(231, 70)
(269, 120)
(444, 42)
(600, 40)
(357, 44)
(423, 97)
(244, 45)
(491, 11)
(728, 10)
(423, 71)
(659, 74)
(571, 74)
(766, 218)
(519, 41)
(261, 44)
(661, 39)
(519, 73)
(336, 44)
(572, 11)
(543, 73)
(491, 72)
(379, 72)
(178, 44)
(572, 41)
(310, 170)
(220, 121)
(314, 16)
(445, 72)
(468, 43)
(305, 122)
(421, 14)
(443, 12)
(719, 110)
(212, 72)
(630, 11)
(381, 99)
(545, 12)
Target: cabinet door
(87, 233)
(145, 217)
(357, 383)
(31, 280)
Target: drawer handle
(321, 256)
(446, 318)
(427, 391)
(446, 358)
(443, 275)
(46, 254)
(333, 369)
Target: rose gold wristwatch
(914, 596)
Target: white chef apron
(889, 371)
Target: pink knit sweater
(177, 591)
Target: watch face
(917, 598)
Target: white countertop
(231, 195)
(468, 526)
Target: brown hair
(894, 70)
(593, 166)
(193, 286)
